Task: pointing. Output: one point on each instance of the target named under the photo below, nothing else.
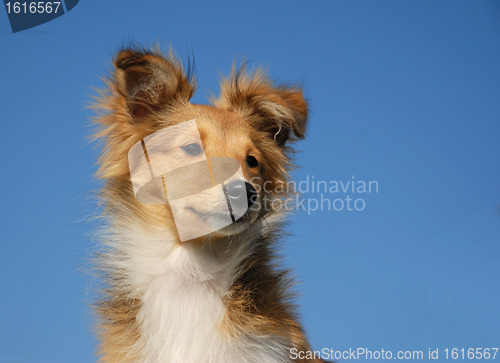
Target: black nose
(235, 190)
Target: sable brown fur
(147, 91)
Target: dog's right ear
(149, 82)
(279, 110)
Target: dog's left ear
(150, 81)
(281, 111)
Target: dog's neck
(183, 290)
(181, 311)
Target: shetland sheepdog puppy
(221, 297)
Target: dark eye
(192, 149)
(252, 161)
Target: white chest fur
(182, 291)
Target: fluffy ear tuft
(150, 81)
(280, 110)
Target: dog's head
(240, 142)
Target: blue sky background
(403, 93)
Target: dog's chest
(180, 321)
